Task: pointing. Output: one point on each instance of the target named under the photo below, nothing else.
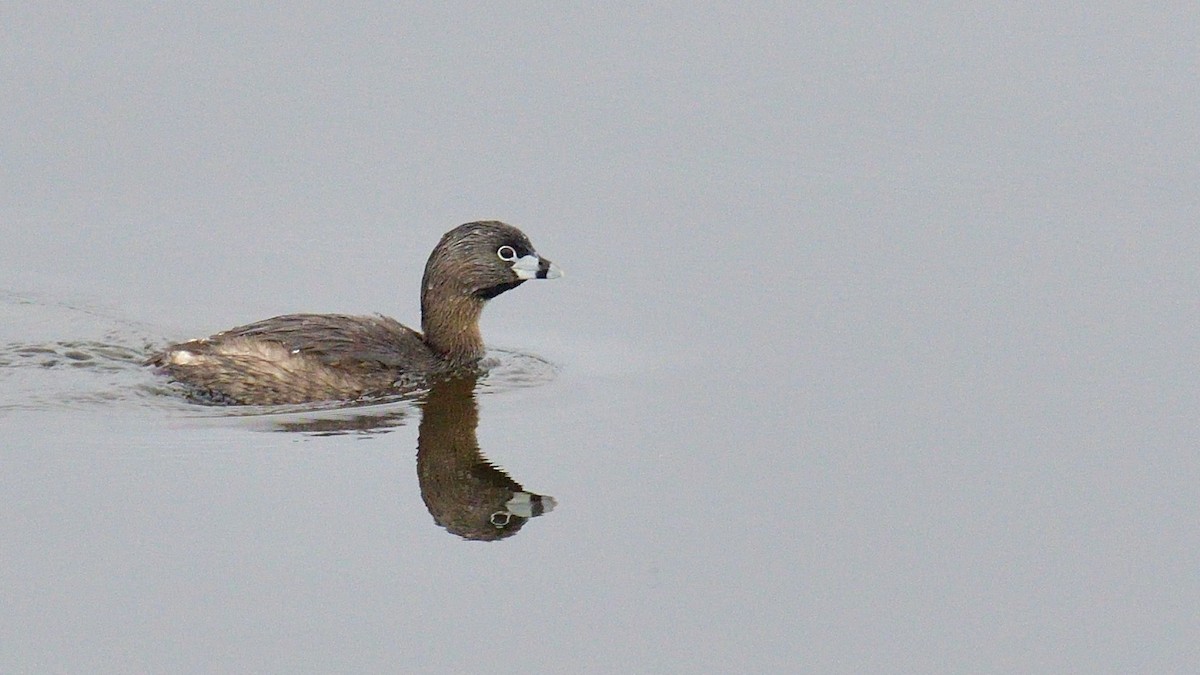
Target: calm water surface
(877, 349)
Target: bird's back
(300, 357)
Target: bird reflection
(464, 492)
(364, 425)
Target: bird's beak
(535, 267)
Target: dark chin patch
(493, 291)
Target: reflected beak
(534, 267)
(528, 505)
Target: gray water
(877, 349)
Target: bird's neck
(450, 323)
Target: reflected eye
(507, 253)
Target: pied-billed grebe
(297, 358)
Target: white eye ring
(507, 253)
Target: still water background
(877, 349)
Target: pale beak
(534, 267)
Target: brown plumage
(298, 358)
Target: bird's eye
(507, 253)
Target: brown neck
(451, 325)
